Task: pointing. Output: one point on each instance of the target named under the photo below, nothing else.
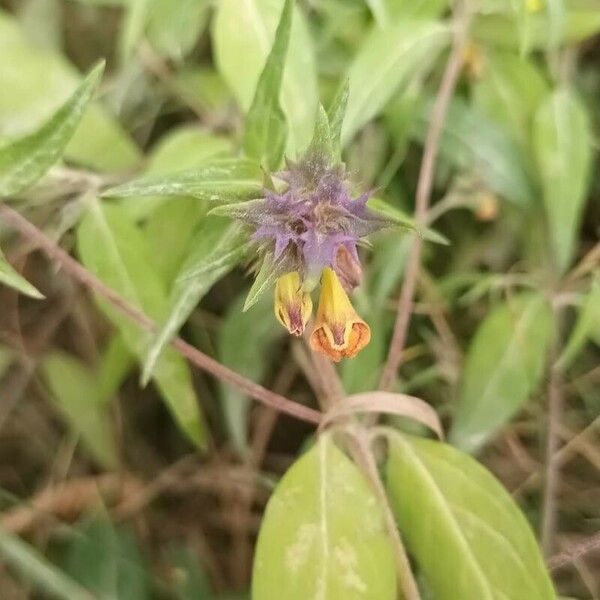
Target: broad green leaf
(36, 569)
(25, 160)
(509, 91)
(562, 144)
(528, 13)
(77, 394)
(473, 143)
(219, 181)
(323, 534)
(107, 561)
(266, 128)
(587, 325)
(174, 26)
(113, 248)
(467, 535)
(243, 34)
(217, 247)
(387, 61)
(504, 364)
(9, 277)
(35, 83)
(245, 344)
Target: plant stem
(423, 195)
(552, 472)
(197, 358)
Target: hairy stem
(197, 358)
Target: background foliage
(113, 489)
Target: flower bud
(339, 332)
(293, 305)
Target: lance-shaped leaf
(216, 249)
(222, 180)
(243, 34)
(245, 344)
(266, 128)
(387, 61)
(112, 248)
(562, 144)
(9, 277)
(504, 365)
(270, 270)
(323, 534)
(80, 399)
(321, 144)
(587, 325)
(336, 114)
(467, 535)
(39, 572)
(24, 161)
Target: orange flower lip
(339, 332)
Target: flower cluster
(311, 231)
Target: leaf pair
(323, 534)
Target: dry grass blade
(385, 402)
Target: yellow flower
(339, 332)
(293, 306)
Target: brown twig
(197, 358)
(576, 552)
(423, 195)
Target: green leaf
(35, 83)
(245, 344)
(107, 561)
(9, 277)
(379, 11)
(183, 148)
(266, 128)
(174, 26)
(115, 363)
(194, 583)
(562, 144)
(265, 279)
(34, 568)
(466, 533)
(553, 13)
(323, 534)
(509, 91)
(587, 325)
(113, 248)
(471, 142)
(387, 61)
(321, 145)
(216, 249)
(78, 396)
(134, 23)
(243, 34)
(25, 160)
(218, 181)
(403, 9)
(336, 114)
(503, 367)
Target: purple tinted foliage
(313, 218)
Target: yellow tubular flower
(339, 332)
(293, 306)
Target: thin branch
(197, 358)
(555, 411)
(575, 553)
(423, 196)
